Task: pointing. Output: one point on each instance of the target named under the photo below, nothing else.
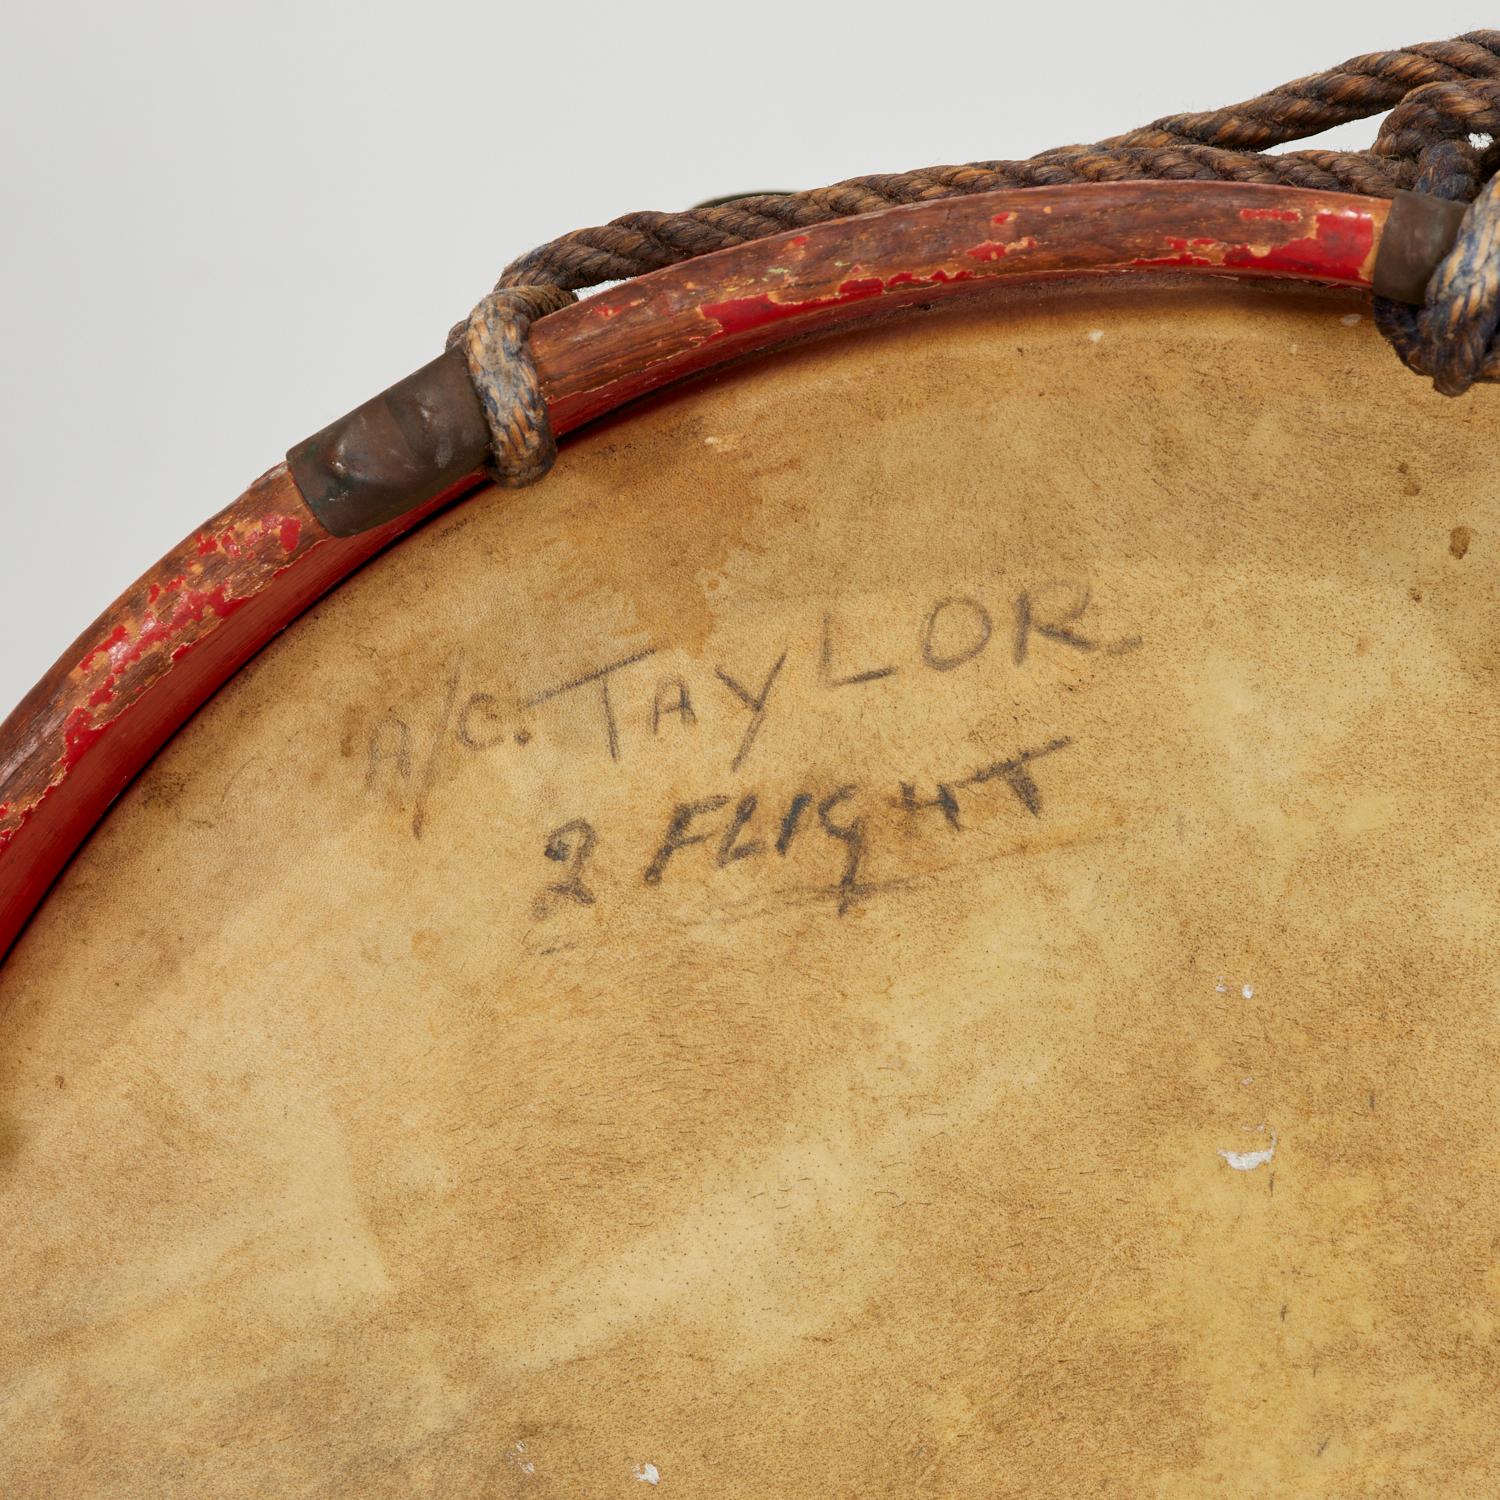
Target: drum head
(918, 920)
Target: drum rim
(187, 625)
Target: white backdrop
(224, 225)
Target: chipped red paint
(79, 733)
(1182, 256)
(233, 543)
(112, 639)
(1339, 247)
(751, 297)
(114, 698)
(13, 831)
(995, 250)
(746, 313)
(936, 278)
(178, 634)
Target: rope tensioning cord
(1438, 141)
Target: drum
(918, 919)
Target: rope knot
(1451, 337)
(493, 339)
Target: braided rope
(1218, 145)
(1441, 95)
(522, 447)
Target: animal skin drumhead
(919, 920)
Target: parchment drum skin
(918, 920)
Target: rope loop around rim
(1451, 337)
(1439, 138)
(493, 339)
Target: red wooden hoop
(173, 638)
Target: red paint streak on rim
(96, 754)
(745, 314)
(112, 639)
(1339, 249)
(998, 250)
(766, 309)
(1188, 252)
(97, 758)
(234, 542)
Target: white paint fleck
(1246, 992)
(711, 441)
(1221, 988)
(648, 1474)
(1096, 335)
(1247, 1081)
(1349, 319)
(1248, 1161)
